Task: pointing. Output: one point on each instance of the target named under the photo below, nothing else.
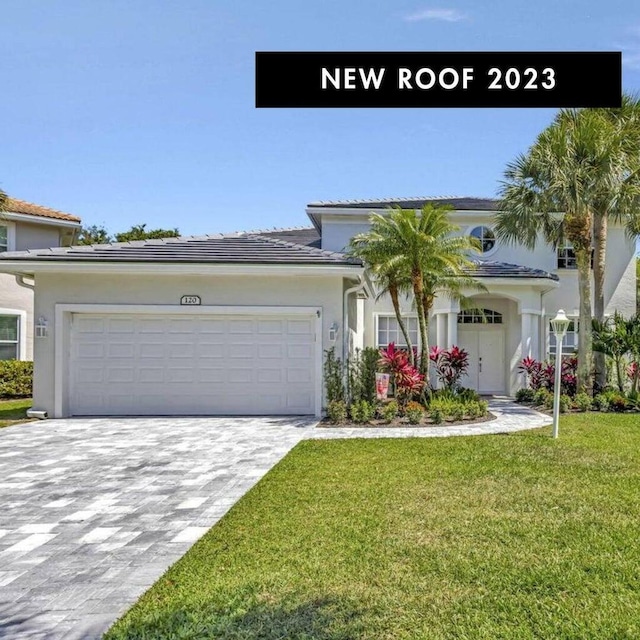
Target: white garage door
(191, 365)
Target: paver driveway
(92, 511)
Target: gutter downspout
(20, 279)
(345, 319)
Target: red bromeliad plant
(408, 380)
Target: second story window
(567, 257)
(486, 237)
(4, 245)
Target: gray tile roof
(270, 247)
(493, 269)
(460, 203)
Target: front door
(486, 359)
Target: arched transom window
(479, 316)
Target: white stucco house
(237, 323)
(24, 225)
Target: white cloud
(445, 15)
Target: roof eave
(35, 219)
(34, 267)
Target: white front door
(486, 359)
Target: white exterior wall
(313, 291)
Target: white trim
(391, 314)
(32, 266)
(33, 219)
(533, 312)
(63, 313)
(22, 329)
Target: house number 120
(190, 300)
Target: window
(4, 243)
(569, 342)
(567, 257)
(486, 237)
(9, 337)
(389, 331)
(479, 316)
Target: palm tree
(619, 199)
(3, 200)
(580, 172)
(375, 249)
(424, 255)
(549, 192)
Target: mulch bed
(404, 423)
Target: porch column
(526, 342)
(441, 329)
(452, 329)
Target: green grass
(14, 411)
(513, 536)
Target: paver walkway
(93, 511)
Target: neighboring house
(26, 226)
(237, 323)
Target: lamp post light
(559, 326)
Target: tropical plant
(418, 252)
(408, 380)
(414, 412)
(554, 191)
(450, 365)
(140, 232)
(612, 338)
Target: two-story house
(24, 226)
(238, 323)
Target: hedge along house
(238, 323)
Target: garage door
(191, 365)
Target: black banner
(438, 79)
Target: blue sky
(126, 112)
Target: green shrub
(618, 403)
(362, 411)
(582, 402)
(414, 412)
(541, 397)
(459, 410)
(333, 376)
(337, 411)
(601, 402)
(436, 416)
(482, 408)
(362, 375)
(525, 395)
(548, 401)
(389, 411)
(468, 395)
(16, 379)
(565, 403)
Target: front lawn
(508, 536)
(14, 411)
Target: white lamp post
(559, 326)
